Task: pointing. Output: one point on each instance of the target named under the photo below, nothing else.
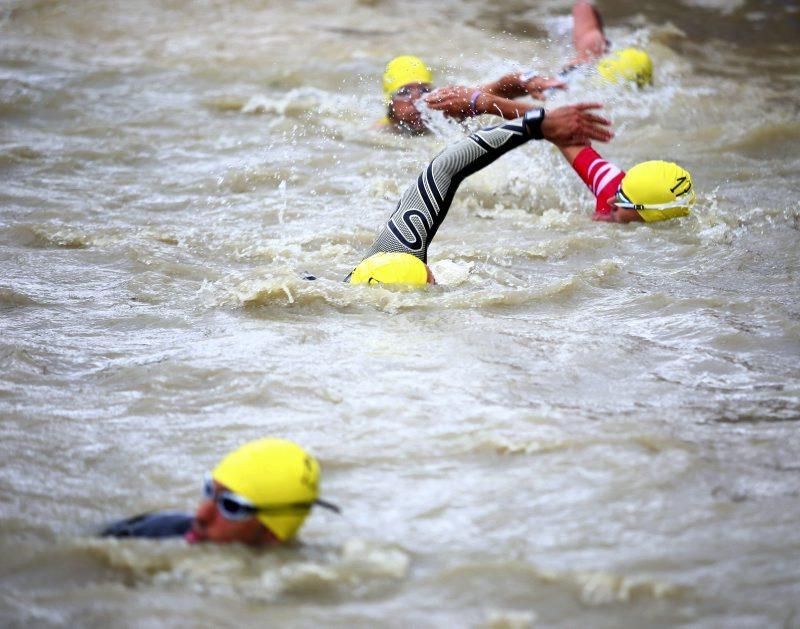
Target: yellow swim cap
(630, 64)
(390, 268)
(403, 70)
(656, 183)
(272, 472)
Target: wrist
(473, 103)
(532, 120)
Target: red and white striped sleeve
(602, 177)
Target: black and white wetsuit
(424, 204)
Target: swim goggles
(409, 90)
(236, 508)
(622, 202)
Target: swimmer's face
(622, 215)
(211, 525)
(404, 112)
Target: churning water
(583, 425)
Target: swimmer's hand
(576, 124)
(535, 86)
(453, 101)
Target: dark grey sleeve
(162, 524)
(424, 204)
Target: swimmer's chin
(193, 537)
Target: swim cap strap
(533, 123)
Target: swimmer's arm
(507, 86)
(461, 102)
(503, 107)
(426, 201)
(612, 214)
(153, 525)
(588, 35)
(519, 84)
(570, 153)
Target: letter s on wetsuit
(153, 525)
(424, 204)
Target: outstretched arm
(425, 203)
(462, 102)
(519, 84)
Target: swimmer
(649, 192)
(259, 494)
(631, 65)
(408, 79)
(399, 255)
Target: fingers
(576, 125)
(598, 133)
(444, 93)
(538, 86)
(597, 119)
(585, 106)
(433, 97)
(594, 130)
(588, 121)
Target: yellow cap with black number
(273, 473)
(630, 64)
(390, 268)
(403, 70)
(658, 190)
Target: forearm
(570, 152)
(507, 86)
(503, 107)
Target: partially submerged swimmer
(649, 192)
(408, 80)
(259, 494)
(629, 65)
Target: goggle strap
(327, 505)
(627, 204)
(297, 506)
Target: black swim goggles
(236, 508)
(409, 90)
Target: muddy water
(582, 425)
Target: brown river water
(583, 425)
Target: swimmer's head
(402, 71)
(392, 268)
(657, 190)
(277, 480)
(630, 64)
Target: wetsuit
(424, 204)
(153, 525)
(602, 177)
